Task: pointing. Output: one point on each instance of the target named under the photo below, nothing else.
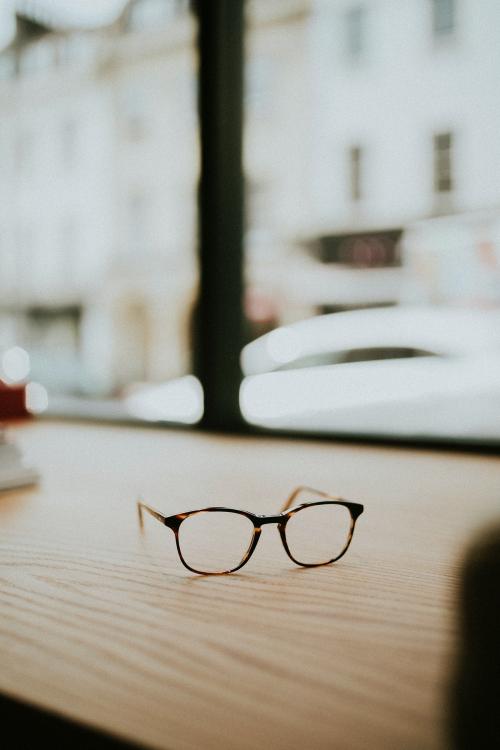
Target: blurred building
(97, 198)
(404, 163)
(371, 160)
(372, 154)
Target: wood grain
(106, 627)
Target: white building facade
(97, 201)
(407, 111)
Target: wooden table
(107, 628)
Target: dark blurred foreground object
(12, 401)
(29, 726)
(475, 696)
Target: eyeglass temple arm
(141, 507)
(302, 488)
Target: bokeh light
(15, 364)
(37, 398)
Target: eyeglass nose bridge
(280, 520)
(261, 520)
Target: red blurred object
(260, 307)
(12, 401)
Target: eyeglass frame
(281, 519)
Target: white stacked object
(13, 471)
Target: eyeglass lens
(318, 533)
(215, 541)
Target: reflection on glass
(99, 154)
(375, 256)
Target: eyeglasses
(221, 540)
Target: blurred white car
(407, 370)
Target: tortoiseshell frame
(281, 519)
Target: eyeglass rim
(280, 519)
(355, 510)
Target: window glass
(373, 234)
(98, 205)
(443, 160)
(354, 32)
(355, 172)
(443, 17)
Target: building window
(374, 249)
(355, 173)
(443, 176)
(355, 23)
(443, 17)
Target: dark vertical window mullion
(219, 322)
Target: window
(355, 173)
(395, 278)
(355, 23)
(369, 250)
(443, 17)
(443, 176)
(51, 335)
